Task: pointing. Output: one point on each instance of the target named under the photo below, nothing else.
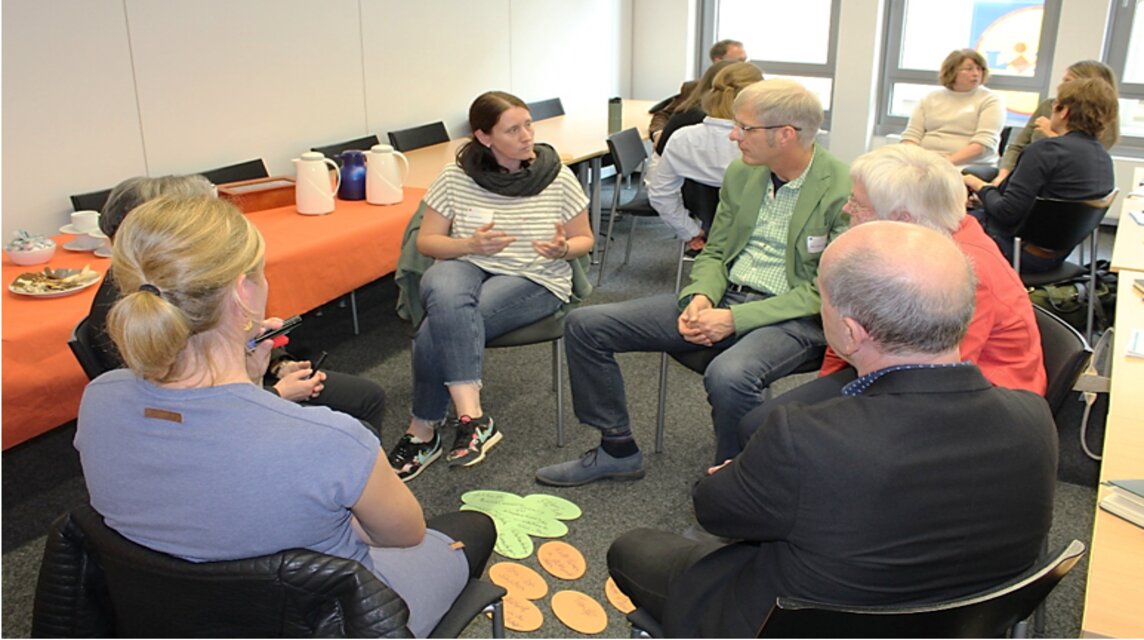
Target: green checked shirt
(762, 264)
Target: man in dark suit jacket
(922, 483)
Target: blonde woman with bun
(1040, 127)
(184, 453)
(701, 153)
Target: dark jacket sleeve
(755, 497)
(1007, 206)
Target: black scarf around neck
(532, 178)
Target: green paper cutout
(485, 498)
(517, 518)
(555, 506)
(513, 544)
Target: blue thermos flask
(353, 175)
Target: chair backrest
(94, 582)
(544, 109)
(627, 151)
(1004, 142)
(1066, 354)
(82, 345)
(331, 151)
(417, 137)
(701, 200)
(1060, 225)
(92, 201)
(988, 614)
(248, 170)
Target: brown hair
(718, 102)
(703, 86)
(190, 253)
(484, 114)
(1099, 70)
(1091, 103)
(719, 49)
(949, 66)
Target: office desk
(1128, 248)
(310, 260)
(579, 137)
(1115, 588)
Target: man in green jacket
(752, 294)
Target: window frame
(708, 12)
(1118, 33)
(1041, 82)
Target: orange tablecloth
(310, 260)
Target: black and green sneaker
(410, 457)
(475, 436)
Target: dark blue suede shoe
(594, 465)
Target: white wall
(99, 90)
(663, 46)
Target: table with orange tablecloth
(310, 260)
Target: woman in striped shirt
(502, 223)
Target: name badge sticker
(816, 244)
(479, 216)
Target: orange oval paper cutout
(579, 612)
(521, 614)
(561, 560)
(519, 580)
(618, 598)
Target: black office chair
(249, 170)
(1060, 226)
(544, 109)
(92, 201)
(361, 144)
(626, 149)
(987, 614)
(550, 329)
(1066, 354)
(96, 583)
(417, 137)
(82, 345)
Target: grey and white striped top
(457, 197)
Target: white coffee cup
(85, 221)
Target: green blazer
(818, 219)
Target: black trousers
(473, 528)
(359, 397)
(645, 563)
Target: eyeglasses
(747, 128)
(852, 204)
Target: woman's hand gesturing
(487, 242)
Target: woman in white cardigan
(963, 121)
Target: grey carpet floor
(41, 478)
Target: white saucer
(81, 245)
(97, 234)
(103, 252)
(71, 230)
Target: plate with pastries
(53, 283)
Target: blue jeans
(735, 380)
(466, 306)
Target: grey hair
(901, 313)
(782, 101)
(904, 177)
(133, 192)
